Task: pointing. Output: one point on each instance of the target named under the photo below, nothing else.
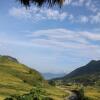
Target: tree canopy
(40, 3)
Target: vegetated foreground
(86, 77)
(19, 82)
(83, 92)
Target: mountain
(87, 75)
(16, 78)
(52, 75)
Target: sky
(56, 40)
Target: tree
(39, 3)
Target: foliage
(88, 75)
(35, 94)
(39, 3)
(51, 82)
(16, 80)
(15, 77)
(92, 93)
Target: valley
(20, 81)
(17, 79)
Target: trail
(72, 95)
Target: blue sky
(51, 40)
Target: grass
(56, 93)
(92, 92)
(2, 97)
(18, 79)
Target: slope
(87, 75)
(16, 78)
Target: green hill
(16, 78)
(87, 75)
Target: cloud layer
(65, 38)
(37, 14)
(57, 37)
(56, 47)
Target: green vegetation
(55, 93)
(92, 93)
(40, 93)
(17, 80)
(36, 93)
(86, 75)
(87, 92)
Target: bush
(51, 82)
(35, 94)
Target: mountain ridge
(87, 74)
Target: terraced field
(18, 79)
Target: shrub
(35, 94)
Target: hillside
(87, 75)
(16, 78)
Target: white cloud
(84, 19)
(21, 13)
(56, 38)
(36, 13)
(71, 17)
(91, 6)
(78, 2)
(75, 45)
(67, 2)
(91, 36)
(77, 42)
(64, 38)
(95, 18)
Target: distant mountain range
(52, 75)
(87, 75)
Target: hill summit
(6, 59)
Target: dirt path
(72, 95)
